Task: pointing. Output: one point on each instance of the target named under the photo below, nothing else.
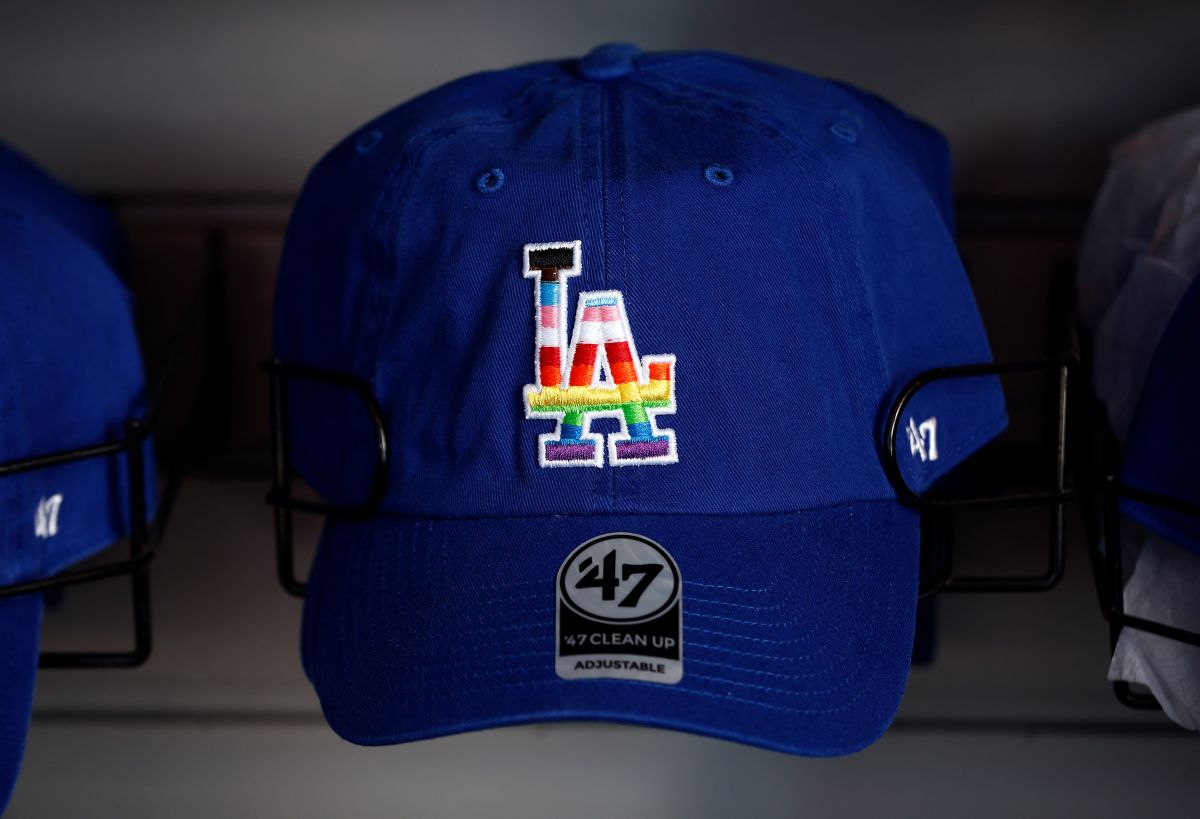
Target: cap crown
(776, 247)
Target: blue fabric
(26, 186)
(399, 270)
(1162, 450)
(20, 624)
(797, 640)
(70, 376)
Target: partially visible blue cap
(70, 376)
(767, 258)
(1162, 450)
(20, 623)
(25, 186)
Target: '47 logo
(619, 578)
(619, 612)
(604, 577)
(922, 439)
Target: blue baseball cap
(70, 376)
(1162, 450)
(634, 322)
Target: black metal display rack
(282, 474)
(938, 512)
(1083, 462)
(143, 538)
(1081, 458)
(1101, 492)
(145, 534)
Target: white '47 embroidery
(45, 523)
(922, 439)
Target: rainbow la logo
(635, 390)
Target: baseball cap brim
(797, 627)
(20, 625)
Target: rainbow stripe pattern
(634, 391)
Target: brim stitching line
(503, 601)
(691, 598)
(833, 656)
(511, 627)
(846, 704)
(366, 697)
(849, 679)
(373, 673)
(422, 679)
(364, 672)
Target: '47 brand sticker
(620, 612)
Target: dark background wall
(230, 95)
(201, 120)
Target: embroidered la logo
(635, 391)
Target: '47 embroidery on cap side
(635, 390)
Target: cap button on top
(609, 61)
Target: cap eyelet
(368, 141)
(844, 131)
(490, 181)
(719, 175)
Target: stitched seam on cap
(391, 200)
(720, 107)
(773, 127)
